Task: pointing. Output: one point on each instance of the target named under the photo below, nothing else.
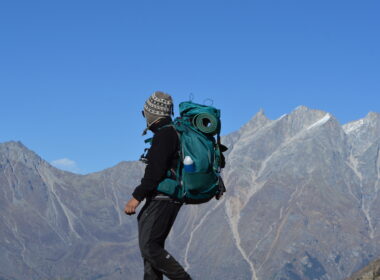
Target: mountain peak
(18, 144)
(17, 151)
(260, 116)
(13, 147)
(258, 120)
(261, 112)
(306, 118)
(372, 119)
(373, 116)
(302, 108)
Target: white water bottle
(188, 163)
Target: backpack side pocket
(169, 187)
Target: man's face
(146, 120)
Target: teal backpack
(197, 127)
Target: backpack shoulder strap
(149, 140)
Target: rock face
(58, 224)
(302, 203)
(370, 272)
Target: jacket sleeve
(161, 153)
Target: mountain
(56, 223)
(370, 272)
(302, 203)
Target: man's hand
(130, 207)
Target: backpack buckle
(143, 157)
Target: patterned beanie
(159, 105)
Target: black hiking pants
(155, 220)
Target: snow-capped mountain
(302, 203)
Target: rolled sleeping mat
(206, 123)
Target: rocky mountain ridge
(302, 203)
(370, 272)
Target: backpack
(196, 128)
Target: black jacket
(162, 156)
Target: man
(157, 217)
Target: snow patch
(352, 126)
(283, 116)
(321, 121)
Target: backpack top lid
(204, 118)
(189, 108)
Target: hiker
(184, 165)
(157, 217)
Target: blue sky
(74, 74)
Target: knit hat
(159, 105)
